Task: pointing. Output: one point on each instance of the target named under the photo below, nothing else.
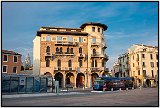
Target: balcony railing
(65, 68)
(81, 55)
(48, 54)
(64, 53)
(95, 55)
(95, 44)
(104, 45)
(97, 68)
(137, 67)
(66, 43)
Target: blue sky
(128, 23)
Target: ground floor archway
(93, 77)
(48, 74)
(148, 83)
(59, 77)
(80, 80)
(70, 79)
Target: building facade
(73, 56)
(141, 64)
(11, 62)
(144, 64)
(121, 68)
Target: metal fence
(13, 84)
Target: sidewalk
(38, 94)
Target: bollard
(119, 89)
(83, 88)
(111, 89)
(140, 87)
(132, 88)
(126, 88)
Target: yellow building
(140, 63)
(144, 64)
(73, 56)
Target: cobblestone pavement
(136, 97)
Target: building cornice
(61, 32)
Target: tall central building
(73, 56)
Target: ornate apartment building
(142, 61)
(73, 56)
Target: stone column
(64, 80)
(75, 77)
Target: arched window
(61, 50)
(69, 63)
(80, 50)
(80, 63)
(47, 63)
(94, 51)
(71, 50)
(59, 63)
(48, 49)
(57, 49)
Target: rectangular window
(93, 40)
(4, 69)
(157, 56)
(152, 64)
(143, 64)
(143, 55)
(14, 69)
(152, 74)
(98, 29)
(151, 56)
(80, 39)
(144, 73)
(70, 39)
(48, 38)
(15, 59)
(133, 57)
(133, 64)
(59, 38)
(5, 58)
(93, 29)
(139, 72)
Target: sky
(128, 23)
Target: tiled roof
(96, 24)
(10, 52)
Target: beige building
(73, 56)
(121, 68)
(144, 64)
(141, 64)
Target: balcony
(48, 54)
(95, 55)
(65, 43)
(138, 68)
(81, 55)
(64, 54)
(65, 68)
(104, 45)
(97, 68)
(106, 57)
(95, 44)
